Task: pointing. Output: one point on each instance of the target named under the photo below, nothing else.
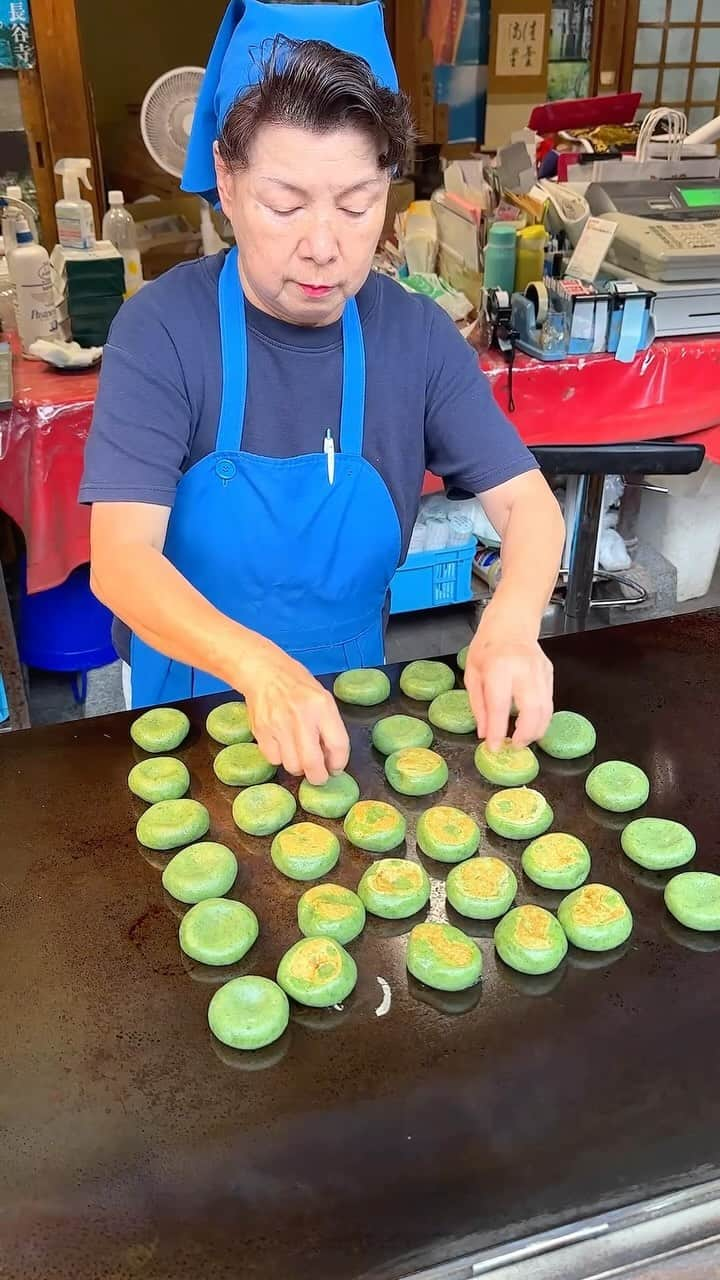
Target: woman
(265, 418)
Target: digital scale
(668, 230)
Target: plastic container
(437, 533)
(530, 260)
(433, 579)
(460, 529)
(119, 228)
(8, 295)
(75, 217)
(32, 276)
(65, 629)
(684, 526)
(500, 256)
(10, 217)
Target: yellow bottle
(530, 259)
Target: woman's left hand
(505, 664)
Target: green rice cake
(331, 911)
(263, 809)
(243, 765)
(416, 771)
(331, 800)
(365, 687)
(617, 786)
(452, 712)
(518, 813)
(317, 972)
(160, 729)
(398, 733)
(481, 889)
(443, 957)
(375, 826)
(248, 1013)
(693, 898)
(447, 834)
(394, 888)
(530, 940)
(568, 736)
(658, 843)
(172, 823)
(203, 870)
(161, 778)
(509, 767)
(218, 931)
(462, 657)
(305, 851)
(424, 681)
(556, 861)
(595, 918)
(229, 724)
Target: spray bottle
(75, 217)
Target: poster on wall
(16, 45)
(459, 31)
(570, 45)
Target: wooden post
(69, 117)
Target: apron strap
(352, 414)
(234, 348)
(234, 345)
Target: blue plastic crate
(431, 579)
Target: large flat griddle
(361, 1145)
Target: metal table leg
(583, 536)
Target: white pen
(329, 450)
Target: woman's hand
(505, 664)
(295, 721)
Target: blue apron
(301, 550)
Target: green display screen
(700, 197)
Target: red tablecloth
(671, 390)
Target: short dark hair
(315, 86)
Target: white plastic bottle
(10, 217)
(119, 228)
(74, 216)
(8, 296)
(32, 274)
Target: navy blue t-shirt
(428, 405)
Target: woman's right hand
(295, 720)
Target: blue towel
(233, 64)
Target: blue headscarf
(234, 64)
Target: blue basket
(431, 579)
(65, 628)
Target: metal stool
(591, 464)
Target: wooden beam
(33, 112)
(68, 108)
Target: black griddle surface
(361, 1145)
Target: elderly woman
(265, 417)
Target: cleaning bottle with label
(119, 228)
(10, 217)
(74, 216)
(32, 274)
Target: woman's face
(307, 213)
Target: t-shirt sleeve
(142, 422)
(469, 442)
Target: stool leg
(10, 664)
(583, 536)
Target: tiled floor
(417, 635)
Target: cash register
(668, 240)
